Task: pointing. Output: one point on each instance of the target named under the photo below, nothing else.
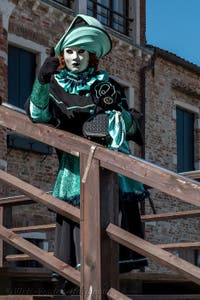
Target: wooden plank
(154, 277)
(171, 215)
(38, 297)
(20, 257)
(15, 200)
(109, 211)
(142, 276)
(164, 180)
(164, 297)
(40, 255)
(116, 295)
(36, 228)
(16, 297)
(40, 196)
(192, 174)
(99, 268)
(29, 297)
(25, 272)
(90, 231)
(191, 245)
(154, 252)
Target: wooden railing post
(99, 207)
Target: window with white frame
(128, 90)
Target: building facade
(164, 87)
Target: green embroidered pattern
(67, 185)
(40, 94)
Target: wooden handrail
(164, 180)
(21, 257)
(35, 228)
(16, 200)
(183, 245)
(192, 174)
(171, 215)
(38, 195)
(154, 252)
(113, 294)
(151, 175)
(40, 255)
(25, 272)
(151, 276)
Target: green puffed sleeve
(40, 94)
(39, 115)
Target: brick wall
(170, 83)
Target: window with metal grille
(112, 13)
(185, 140)
(66, 3)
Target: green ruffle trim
(73, 83)
(40, 94)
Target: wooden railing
(98, 217)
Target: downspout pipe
(143, 80)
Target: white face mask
(76, 59)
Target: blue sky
(174, 25)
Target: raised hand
(48, 68)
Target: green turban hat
(87, 33)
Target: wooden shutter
(21, 74)
(185, 140)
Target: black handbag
(96, 127)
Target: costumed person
(69, 90)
